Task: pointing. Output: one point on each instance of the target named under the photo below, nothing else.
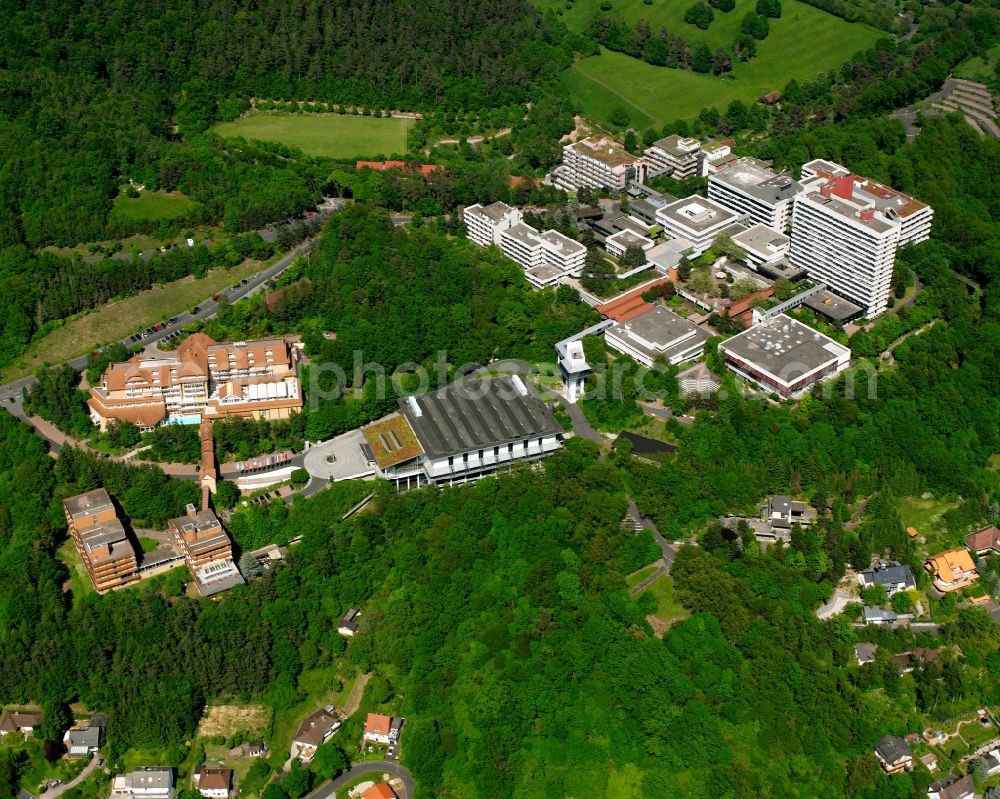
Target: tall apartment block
(846, 230)
(253, 379)
(485, 223)
(546, 256)
(107, 553)
(207, 550)
(751, 187)
(598, 162)
(677, 156)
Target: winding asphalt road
(329, 790)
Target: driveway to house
(59, 790)
(329, 790)
(837, 603)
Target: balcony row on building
(113, 559)
(202, 379)
(546, 256)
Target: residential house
(878, 615)
(382, 729)
(894, 754)
(921, 656)
(314, 731)
(82, 742)
(214, 782)
(152, 782)
(22, 721)
(783, 511)
(864, 652)
(930, 761)
(952, 570)
(349, 622)
(985, 541)
(992, 762)
(892, 575)
(952, 788)
(379, 790)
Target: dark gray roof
(889, 573)
(892, 749)
(865, 651)
(784, 347)
(878, 613)
(828, 304)
(91, 736)
(476, 414)
(953, 787)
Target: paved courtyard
(339, 458)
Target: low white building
(658, 335)
(213, 782)
(619, 243)
(696, 219)
(461, 432)
(382, 729)
(762, 245)
(545, 256)
(485, 223)
(151, 782)
(784, 356)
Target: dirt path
(353, 701)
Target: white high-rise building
(751, 187)
(598, 162)
(484, 224)
(846, 230)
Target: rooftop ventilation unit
(519, 385)
(414, 407)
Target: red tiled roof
(378, 724)
(379, 791)
(629, 305)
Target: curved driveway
(328, 790)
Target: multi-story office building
(658, 335)
(207, 550)
(461, 432)
(696, 219)
(677, 156)
(107, 553)
(846, 230)
(546, 256)
(620, 242)
(485, 223)
(784, 356)
(913, 217)
(716, 156)
(751, 187)
(762, 245)
(254, 379)
(598, 162)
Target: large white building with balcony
(751, 187)
(676, 156)
(546, 256)
(485, 223)
(846, 230)
(598, 163)
(658, 335)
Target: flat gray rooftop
(475, 414)
(562, 243)
(828, 304)
(758, 180)
(495, 211)
(697, 214)
(626, 239)
(544, 273)
(784, 347)
(523, 233)
(672, 144)
(846, 210)
(669, 333)
(87, 504)
(756, 240)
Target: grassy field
(994, 463)
(981, 67)
(151, 205)
(330, 135)
(667, 606)
(637, 577)
(803, 43)
(118, 319)
(77, 571)
(925, 516)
